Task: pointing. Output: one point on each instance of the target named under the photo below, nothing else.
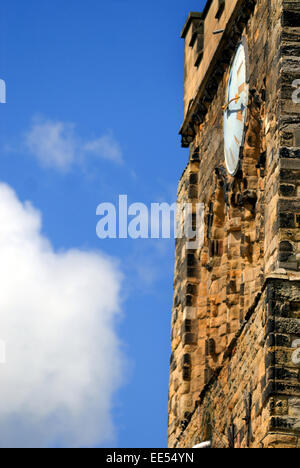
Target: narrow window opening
(221, 8)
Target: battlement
(210, 38)
(202, 34)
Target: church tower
(235, 363)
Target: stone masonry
(236, 311)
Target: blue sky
(94, 105)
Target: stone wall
(236, 313)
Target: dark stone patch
(189, 339)
(288, 190)
(289, 153)
(291, 18)
(286, 220)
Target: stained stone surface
(236, 310)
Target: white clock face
(235, 110)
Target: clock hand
(228, 103)
(233, 111)
(237, 110)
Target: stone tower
(235, 363)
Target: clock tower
(235, 362)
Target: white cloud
(55, 144)
(105, 147)
(52, 143)
(57, 317)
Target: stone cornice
(192, 15)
